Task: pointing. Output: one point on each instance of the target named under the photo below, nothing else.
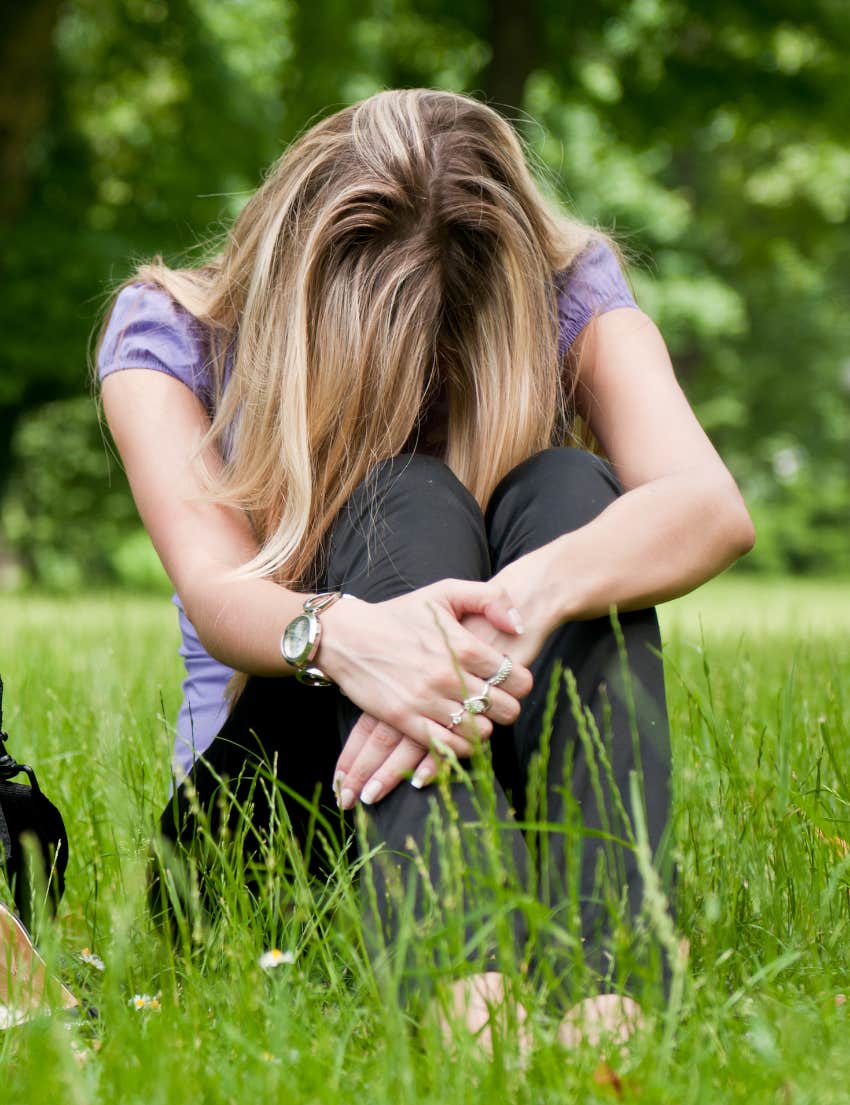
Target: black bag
(26, 812)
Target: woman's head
(398, 250)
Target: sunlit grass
(759, 693)
(763, 605)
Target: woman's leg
(409, 524)
(619, 688)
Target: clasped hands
(409, 663)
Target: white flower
(145, 1001)
(275, 958)
(88, 956)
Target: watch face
(296, 639)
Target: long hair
(398, 250)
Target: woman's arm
(681, 520)
(157, 425)
(410, 681)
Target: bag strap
(9, 766)
(5, 839)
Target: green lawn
(759, 694)
(766, 607)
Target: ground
(759, 698)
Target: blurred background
(710, 138)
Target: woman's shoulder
(148, 328)
(593, 283)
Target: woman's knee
(413, 476)
(552, 493)
(409, 523)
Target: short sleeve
(593, 284)
(148, 329)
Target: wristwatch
(302, 637)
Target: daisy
(88, 956)
(275, 958)
(145, 1001)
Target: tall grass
(760, 717)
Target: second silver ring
(505, 669)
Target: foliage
(711, 138)
(68, 514)
(761, 729)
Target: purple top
(147, 329)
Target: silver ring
(505, 669)
(478, 703)
(457, 717)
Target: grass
(759, 694)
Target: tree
(712, 138)
(122, 125)
(26, 79)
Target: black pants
(410, 524)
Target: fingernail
(339, 779)
(347, 798)
(370, 792)
(421, 779)
(516, 620)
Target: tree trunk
(321, 38)
(26, 71)
(9, 416)
(515, 44)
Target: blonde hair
(399, 247)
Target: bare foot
(606, 1018)
(480, 1002)
(26, 989)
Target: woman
(366, 392)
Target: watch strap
(313, 676)
(322, 601)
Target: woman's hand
(527, 580)
(409, 664)
(376, 758)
